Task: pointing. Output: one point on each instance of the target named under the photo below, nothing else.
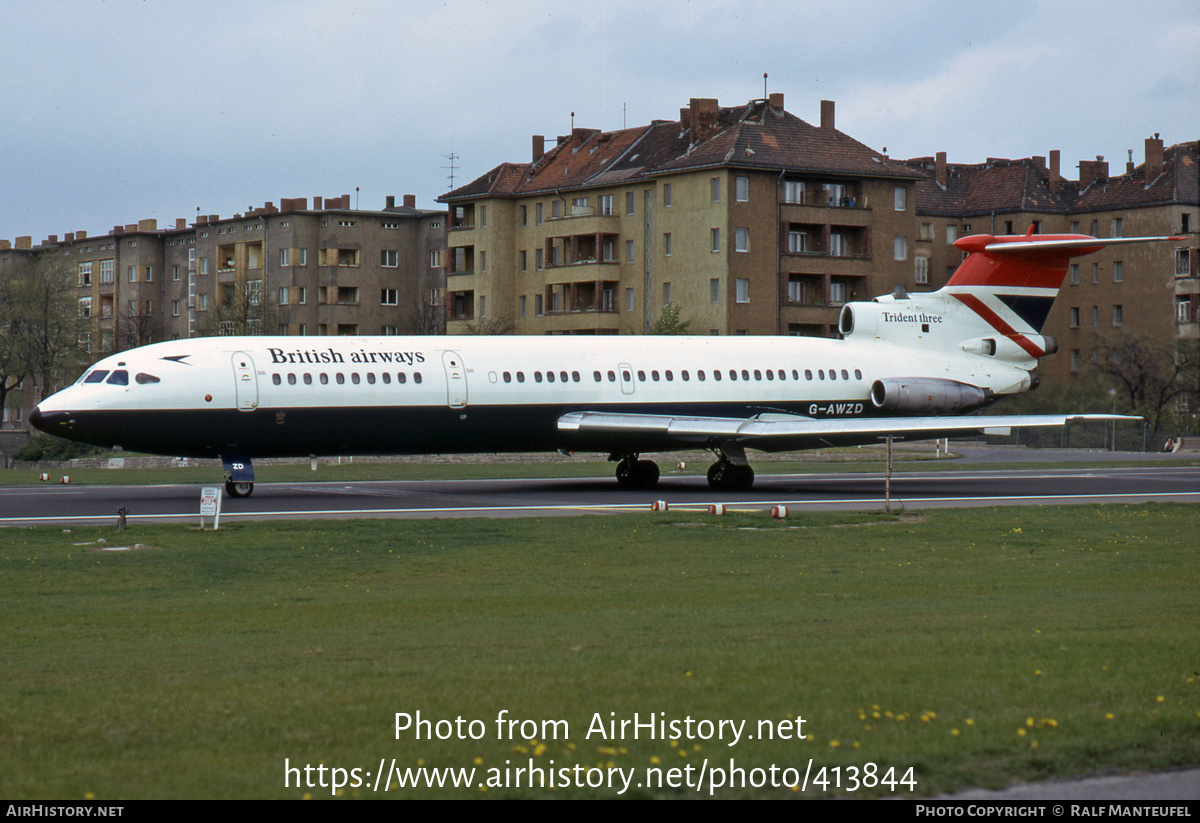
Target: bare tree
(502, 324)
(1152, 376)
(48, 329)
(425, 317)
(242, 310)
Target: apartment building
(1149, 291)
(747, 218)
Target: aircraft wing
(788, 432)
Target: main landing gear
(637, 474)
(238, 489)
(731, 472)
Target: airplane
(907, 366)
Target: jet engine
(926, 395)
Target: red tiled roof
(751, 136)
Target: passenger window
(387, 377)
(857, 374)
(833, 374)
(324, 379)
(371, 377)
(684, 374)
(401, 377)
(307, 379)
(808, 374)
(549, 377)
(699, 374)
(507, 377)
(641, 376)
(612, 376)
(669, 375)
(654, 375)
(118, 378)
(795, 374)
(354, 378)
(821, 373)
(770, 374)
(845, 375)
(277, 380)
(596, 376)
(757, 374)
(562, 375)
(520, 377)
(537, 377)
(627, 377)
(291, 379)
(97, 376)
(144, 378)
(717, 374)
(416, 377)
(732, 374)
(745, 375)
(340, 378)
(575, 376)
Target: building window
(85, 274)
(797, 242)
(85, 307)
(1118, 227)
(629, 251)
(741, 239)
(1118, 271)
(793, 191)
(667, 244)
(1074, 317)
(743, 290)
(900, 248)
(285, 257)
(435, 259)
(483, 216)
(716, 240)
(1095, 316)
(743, 189)
(1181, 263)
(539, 214)
(539, 259)
(523, 211)
(301, 294)
(1118, 315)
(521, 306)
(606, 204)
(1095, 272)
(174, 308)
(714, 290)
(667, 194)
(715, 185)
(630, 201)
(538, 305)
(131, 274)
(837, 293)
(901, 198)
(1075, 359)
(175, 272)
(303, 257)
(482, 306)
(837, 244)
(284, 295)
(628, 299)
(522, 260)
(483, 261)
(666, 294)
(925, 231)
(107, 268)
(1183, 311)
(951, 233)
(1074, 274)
(921, 270)
(204, 265)
(389, 297)
(389, 258)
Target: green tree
(669, 321)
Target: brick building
(747, 218)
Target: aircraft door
(625, 371)
(456, 379)
(245, 381)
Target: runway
(910, 491)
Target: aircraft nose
(48, 421)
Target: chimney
(69, 238)
(939, 169)
(410, 201)
(539, 146)
(1056, 179)
(827, 114)
(150, 224)
(391, 202)
(81, 235)
(702, 118)
(52, 240)
(317, 203)
(25, 242)
(775, 100)
(1091, 171)
(1154, 157)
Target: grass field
(975, 647)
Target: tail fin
(1011, 282)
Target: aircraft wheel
(625, 472)
(725, 476)
(242, 489)
(647, 474)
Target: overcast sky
(121, 110)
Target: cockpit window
(96, 376)
(118, 378)
(144, 378)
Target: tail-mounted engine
(926, 395)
